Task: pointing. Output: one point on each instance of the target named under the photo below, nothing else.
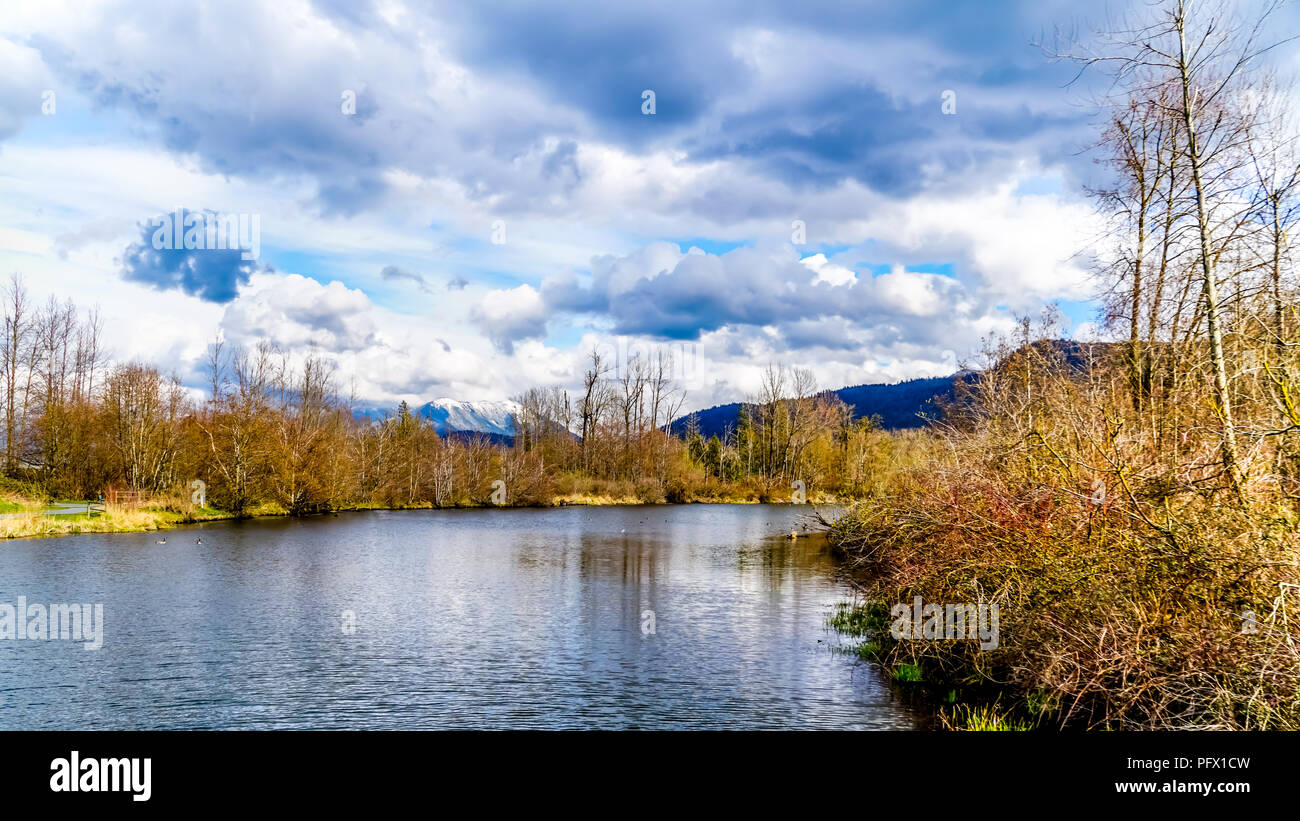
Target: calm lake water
(463, 619)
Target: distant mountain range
(899, 406)
(494, 418)
(904, 404)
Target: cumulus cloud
(24, 84)
(297, 312)
(512, 314)
(750, 302)
(828, 271)
(377, 354)
(699, 292)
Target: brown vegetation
(1133, 508)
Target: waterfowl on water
(198, 541)
(163, 540)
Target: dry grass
(34, 523)
(593, 499)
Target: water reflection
(636, 617)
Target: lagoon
(652, 617)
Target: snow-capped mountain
(495, 417)
(492, 416)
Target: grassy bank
(33, 522)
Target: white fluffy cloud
(509, 314)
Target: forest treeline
(273, 434)
(1132, 509)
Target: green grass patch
(987, 718)
(865, 620)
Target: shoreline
(36, 524)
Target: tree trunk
(1231, 460)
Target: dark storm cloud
(577, 72)
(598, 57)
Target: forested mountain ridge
(899, 406)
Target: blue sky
(464, 201)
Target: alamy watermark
(208, 231)
(680, 361)
(127, 775)
(55, 622)
(946, 622)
